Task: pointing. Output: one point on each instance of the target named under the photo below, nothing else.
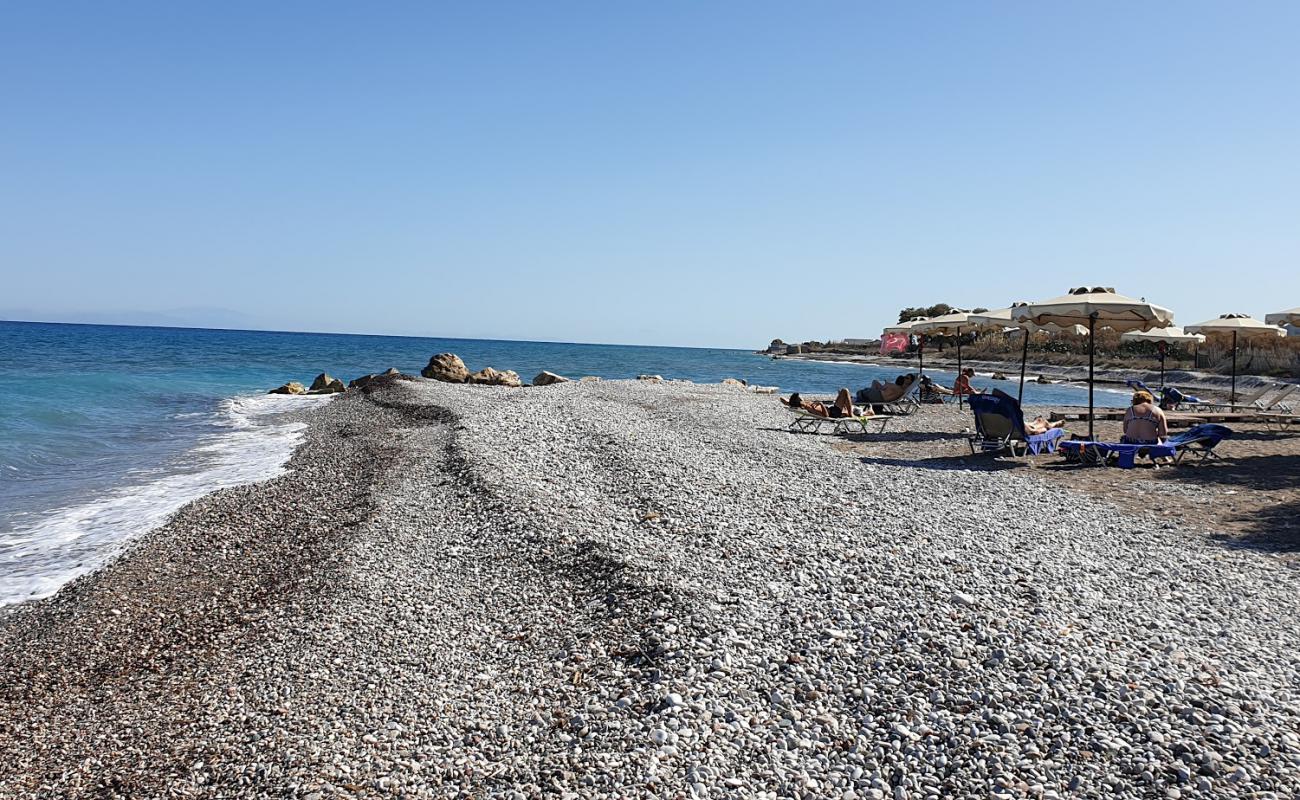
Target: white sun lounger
(805, 422)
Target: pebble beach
(641, 589)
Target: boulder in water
(446, 367)
(492, 377)
(545, 378)
(292, 387)
(998, 376)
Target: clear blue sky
(661, 173)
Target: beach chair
(1200, 441)
(1000, 427)
(807, 422)
(1250, 401)
(904, 404)
(1121, 454)
(1280, 402)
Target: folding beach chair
(807, 422)
(1200, 441)
(1000, 426)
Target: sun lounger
(1250, 401)
(1000, 426)
(1200, 441)
(1280, 402)
(1123, 455)
(905, 403)
(807, 422)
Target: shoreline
(630, 589)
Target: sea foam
(256, 439)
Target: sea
(106, 430)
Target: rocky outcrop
(326, 384)
(446, 367)
(545, 378)
(375, 380)
(998, 376)
(651, 378)
(292, 387)
(491, 377)
(734, 382)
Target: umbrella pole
(1233, 398)
(1092, 352)
(959, 372)
(1024, 355)
(920, 355)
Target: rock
(734, 382)
(374, 380)
(292, 387)
(765, 389)
(545, 378)
(651, 378)
(491, 377)
(962, 598)
(998, 376)
(1042, 379)
(589, 379)
(446, 367)
(326, 384)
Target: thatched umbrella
(909, 328)
(1242, 327)
(1171, 335)
(1096, 307)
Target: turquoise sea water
(105, 430)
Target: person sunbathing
(841, 407)
(880, 393)
(1038, 425)
(1144, 422)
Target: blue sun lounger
(1199, 440)
(1000, 425)
(1124, 455)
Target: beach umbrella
(1291, 317)
(949, 324)
(1005, 318)
(909, 328)
(1242, 327)
(1096, 307)
(1171, 335)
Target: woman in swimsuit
(1144, 422)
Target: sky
(678, 173)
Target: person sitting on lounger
(1144, 422)
(962, 386)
